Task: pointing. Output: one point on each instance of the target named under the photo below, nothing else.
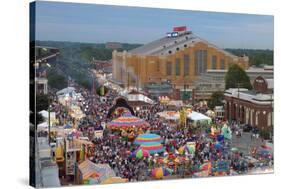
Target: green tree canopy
(56, 80)
(42, 102)
(237, 77)
(216, 99)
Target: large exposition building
(177, 58)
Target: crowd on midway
(115, 150)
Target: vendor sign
(98, 133)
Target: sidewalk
(245, 143)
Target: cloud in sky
(101, 23)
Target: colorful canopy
(161, 172)
(141, 153)
(201, 174)
(205, 166)
(153, 147)
(112, 180)
(188, 148)
(127, 121)
(149, 137)
(183, 149)
(87, 170)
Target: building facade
(45, 56)
(251, 107)
(179, 59)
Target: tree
(85, 83)
(57, 81)
(237, 77)
(216, 99)
(42, 102)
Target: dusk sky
(93, 23)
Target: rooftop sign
(180, 28)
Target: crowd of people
(116, 151)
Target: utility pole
(238, 104)
(271, 117)
(49, 122)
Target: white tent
(42, 126)
(198, 117)
(45, 115)
(66, 91)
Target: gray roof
(157, 47)
(163, 45)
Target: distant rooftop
(252, 96)
(168, 45)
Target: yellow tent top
(112, 180)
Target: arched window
(247, 115)
(257, 117)
(269, 119)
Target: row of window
(178, 66)
(214, 63)
(200, 64)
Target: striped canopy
(148, 137)
(152, 147)
(127, 121)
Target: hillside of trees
(256, 57)
(74, 61)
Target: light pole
(271, 117)
(238, 104)
(49, 123)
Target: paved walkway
(245, 143)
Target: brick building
(253, 107)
